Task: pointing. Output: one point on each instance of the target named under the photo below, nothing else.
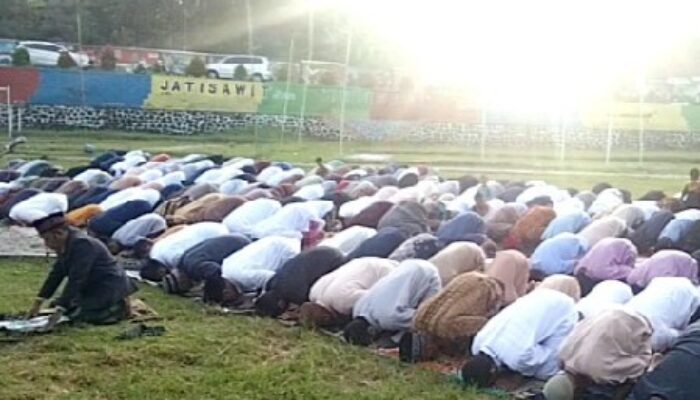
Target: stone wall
(185, 123)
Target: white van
(47, 53)
(258, 68)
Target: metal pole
(79, 24)
(608, 149)
(184, 24)
(310, 55)
(9, 112)
(562, 132)
(343, 99)
(641, 127)
(20, 111)
(249, 23)
(482, 147)
(286, 88)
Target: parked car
(7, 47)
(258, 68)
(47, 53)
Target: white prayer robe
(268, 172)
(169, 250)
(150, 175)
(668, 303)
(606, 202)
(251, 267)
(526, 336)
(217, 176)
(392, 302)
(557, 195)
(354, 207)
(385, 193)
(192, 169)
(347, 240)
(604, 296)
(172, 178)
(648, 207)
(277, 179)
(340, 290)
(152, 196)
(605, 227)
(691, 214)
(310, 192)
(244, 218)
(293, 220)
(234, 186)
(144, 226)
(239, 162)
(93, 177)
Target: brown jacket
(461, 308)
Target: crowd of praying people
(591, 291)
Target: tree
(20, 57)
(196, 68)
(108, 61)
(240, 73)
(65, 60)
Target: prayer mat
(508, 385)
(21, 326)
(130, 263)
(141, 312)
(136, 275)
(139, 331)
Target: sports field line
(561, 172)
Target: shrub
(65, 60)
(330, 78)
(196, 68)
(20, 57)
(157, 68)
(240, 73)
(367, 80)
(108, 61)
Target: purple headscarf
(672, 263)
(610, 258)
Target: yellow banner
(198, 94)
(654, 116)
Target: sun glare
(543, 55)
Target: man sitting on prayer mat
(97, 289)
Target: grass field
(201, 356)
(665, 170)
(205, 356)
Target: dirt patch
(17, 241)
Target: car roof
(242, 55)
(39, 42)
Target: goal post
(6, 96)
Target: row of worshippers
(256, 247)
